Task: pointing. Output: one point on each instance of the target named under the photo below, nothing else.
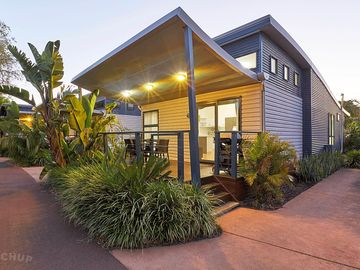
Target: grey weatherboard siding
(284, 116)
(283, 106)
(271, 49)
(321, 105)
(245, 46)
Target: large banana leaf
(29, 69)
(77, 114)
(89, 105)
(18, 93)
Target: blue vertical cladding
(284, 115)
(321, 105)
(306, 95)
(245, 46)
(121, 108)
(270, 49)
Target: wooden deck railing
(139, 137)
(235, 136)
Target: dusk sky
(328, 31)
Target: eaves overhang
(155, 55)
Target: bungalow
(254, 78)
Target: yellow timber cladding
(173, 114)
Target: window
(100, 104)
(331, 129)
(338, 117)
(285, 72)
(296, 79)
(130, 106)
(248, 61)
(273, 65)
(150, 122)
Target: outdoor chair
(130, 148)
(162, 148)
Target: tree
(8, 70)
(353, 107)
(45, 75)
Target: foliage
(61, 113)
(45, 75)
(353, 107)
(316, 167)
(132, 206)
(8, 70)
(353, 159)
(27, 146)
(352, 138)
(265, 167)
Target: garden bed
(289, 193)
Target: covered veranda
(172, 58)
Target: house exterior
(298, 104)
(252, 79)
(26, 112)
(128, 114)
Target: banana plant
(45, 75)
(80, 112)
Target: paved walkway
(319, 229)
(33, 233)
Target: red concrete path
(33, 233)
(319, 229)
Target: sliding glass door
(223, 115)
(228, 116)
(206, 115)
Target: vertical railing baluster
(106, 150)
(217, 153)
(234, 154)
(138, 146)
(180, 155)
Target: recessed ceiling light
(149, 86)
(180, 76)
(126, 93)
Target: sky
(327, 30)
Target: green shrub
(265, 167)
(133, 206)
(352, 138)
(353, 159)
(316, 167)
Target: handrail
(146, 132)
(233, 149)
(180, 144)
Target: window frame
(276, 65)
(296, 82)
(151, 125)
(256, 59)
(286, 67)
(331, 129)
(130, 109)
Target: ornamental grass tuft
(133, 206)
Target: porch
(169, 67)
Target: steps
(225, 208)
(227, 202)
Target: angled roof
(275, 31)
(155, 55)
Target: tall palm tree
(45, 75)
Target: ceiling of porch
(146, 68)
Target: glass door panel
(228, 116)
(206, 115)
